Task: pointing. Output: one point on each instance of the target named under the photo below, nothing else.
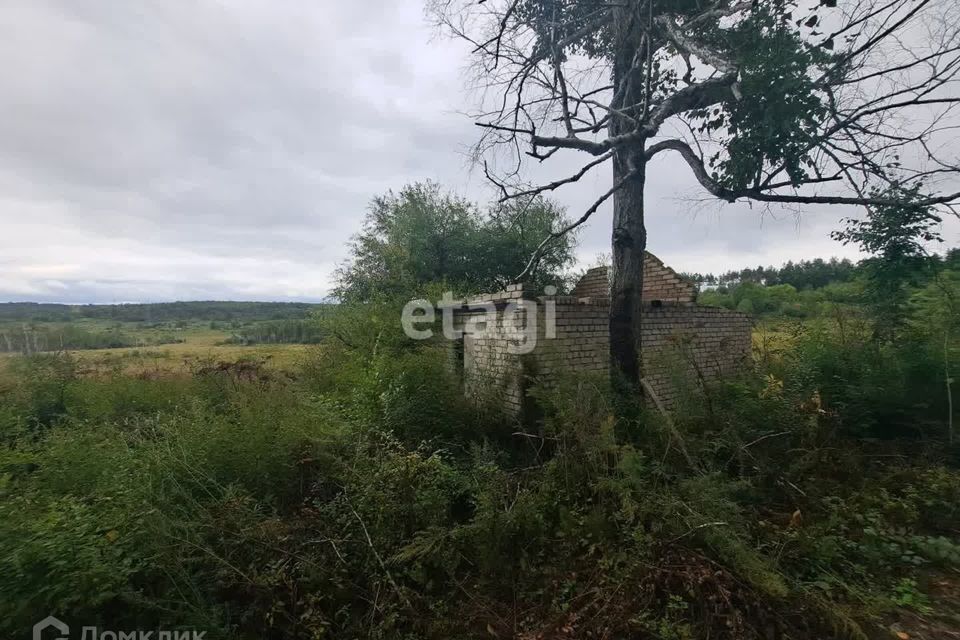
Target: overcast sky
(172, 150)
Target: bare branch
(692, 47)
(535, 258)
(761, 195)
(558, 183)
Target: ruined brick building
(684, 345)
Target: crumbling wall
(685, 347)
(594, 284)
(663, 284)
(660, 283)
(491, 371)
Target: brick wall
(683, 347)
(595, 283)
(491, 369)
(660, 283)
(581, 341)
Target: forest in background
(27, 327)
(811, 288)
(157, 312)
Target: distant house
(684, 345)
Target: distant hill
(159, 312)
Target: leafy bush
(875, 388)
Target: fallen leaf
(796, 519)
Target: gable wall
(660, 282)
(684, 346)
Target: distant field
(174, 337)
(199, 346)
(179, 344)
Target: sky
(168, 150)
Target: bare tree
(776, 101)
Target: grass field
(200, 345)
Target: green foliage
(906, 594)
(63, 558)
(919, 294)
(156, 312)
(365, 497)
(935, 308)
(423, 236)
(895, 235)
(279, 332)
(776, 122)
(882, 390)
(805, 274)
(35, 338)
(36, 396)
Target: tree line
(223, 311)
(31, 338)
(279, 332)
(807, 274)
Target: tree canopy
(423, 235)
(896, 237)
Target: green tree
(422, 235)
(895, 235)
(764, 100)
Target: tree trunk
(629, 243)
(629, 234)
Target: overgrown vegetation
(360, 494)
(32, 327)
(278, 332)
(817, 288)
(364, 497)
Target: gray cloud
(161, 150)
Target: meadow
(160, 338)
(195, 346)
